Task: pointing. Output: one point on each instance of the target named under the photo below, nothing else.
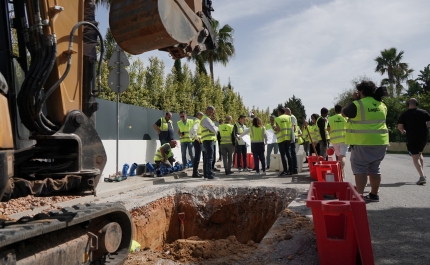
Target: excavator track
(81, 234)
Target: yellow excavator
(50, 64)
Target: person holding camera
(185, 125)
(414, 123)
(367, 133)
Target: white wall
(137, 151)
(132, 151)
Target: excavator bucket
(177, 26)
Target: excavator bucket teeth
(145, 25)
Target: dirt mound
(290, 240)
(193, 249)
(30, 202)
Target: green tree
(154, 83)
(390, 62)
(223, 53)
(395, 107)
(424, 78)
(297, 109)
(345, 97)
(414, 89)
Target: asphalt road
(399, 223)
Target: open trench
(229, 216)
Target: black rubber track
(82, 213)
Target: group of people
(359, 127)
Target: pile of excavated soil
(30, 202)
(291, 241)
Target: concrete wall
(132, 151)
(401, 147)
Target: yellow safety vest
(269, 127)
(158, 156)
(368, 127)
(305, 134)
(164, 126)
(185, 128)
(239, 128)
(257, 134)
(225, 131)
(285, 125)
(327, 136)
(314, 132)
(206, 133)
(337, 128)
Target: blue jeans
(197, 154)
(271, 147)
(293, 158)
(164, 141)
(184, 147)
(208, 145)
(256, 162)
(284, 149)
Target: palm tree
(224, 51)
(400, 76)
(424, 77)
(390, 62)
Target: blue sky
(312, 49)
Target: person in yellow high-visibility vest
(258, 144)
(367, 133)
(164, 128)
(164, 154)
(240, 145)
(195, 135)
(283, 128)
(314, 133)
(226, 141)
(208, 136)
(305, 137)
(185, 125)
(337, 130)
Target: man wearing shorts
(413, 123)
(367, 133)
(337, 129)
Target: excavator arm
(49, 80)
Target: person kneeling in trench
(164, 154)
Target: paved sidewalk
(398, 223)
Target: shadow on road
(400, 235)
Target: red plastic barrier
(341, 226)
(250, 160)
(332, 166)
(311, 162)
(336, 170)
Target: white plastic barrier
(275, 162)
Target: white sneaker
(256, 174)
(240, 170)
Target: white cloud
(314, 48)
(314, 54)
